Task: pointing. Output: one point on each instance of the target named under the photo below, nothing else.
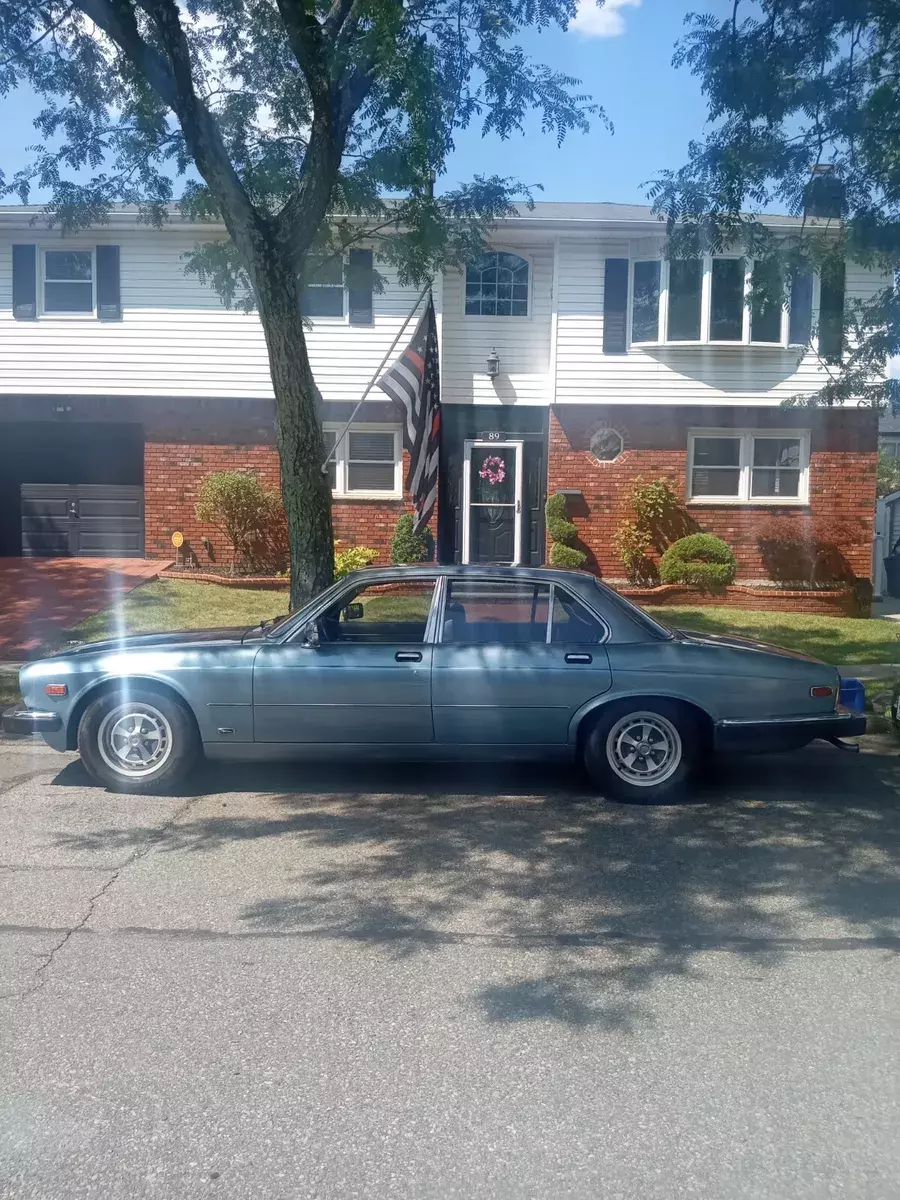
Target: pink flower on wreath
(493, 469)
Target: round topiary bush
(563, 533)
(699, 560)
(568, 557)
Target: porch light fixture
(493, 364)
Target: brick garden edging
(270, 583)
(832, 602)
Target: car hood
(155, 641)
(739, 643)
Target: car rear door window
(491, 612)
(572, 623)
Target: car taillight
(821, 692)
(56, 689)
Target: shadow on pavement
(776, 856)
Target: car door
(368, 678)
(516, 658)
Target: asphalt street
(450, 982)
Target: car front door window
(380, 614)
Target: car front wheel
(642, 752)
(137, 741)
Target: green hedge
(563, 533)
(699, 560)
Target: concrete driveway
(411, 982)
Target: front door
(367, 681)
(492, 502)
(515, 662)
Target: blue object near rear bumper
(788, 733)
(25, 720)
(853, 695)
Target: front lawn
(173, 604)
(837, 640)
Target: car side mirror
(310, 635)
(353, 612)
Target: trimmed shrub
(633, 545)
(801, 547)
(569, 557)
(250, 518)
(354, 558)
(563, 553)
(699, 560)
(406, 546)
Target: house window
(323, 288)
(685, 293)
(68, 285)
(497, 286)
(889, 444)
(719, 300)
(759, 468)
(368, 461)
(726, 314)
(606, 445)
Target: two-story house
(123, 381)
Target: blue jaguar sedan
(435, 662)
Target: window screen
(370, 462)
(323, 290)
(776, 467)
(716, 467)
(766, 304)
(800, 328)
(68, 281)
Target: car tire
(138, 741)
(620, 767)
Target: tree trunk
(305, 488)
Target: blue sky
(622, 53)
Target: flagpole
(340, 437)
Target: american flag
(414, 384)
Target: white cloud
(593, 21)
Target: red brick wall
(173, 472)
(843, 458)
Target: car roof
(460, 569)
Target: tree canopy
(306, 126)
(804, 109)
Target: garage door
(84, 520)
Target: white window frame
(706, 307)
(526, 258)
(344, 318)
(342, 454)
(42, 279)
(747, 438)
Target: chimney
(825, 196)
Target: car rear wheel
(137, 741)
(643, 751)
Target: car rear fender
(584, 717)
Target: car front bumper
(25, 720)
(786, 733)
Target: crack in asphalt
(49, 956)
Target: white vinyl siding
(666, 374)
(522, 343)
(175, 337)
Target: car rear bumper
(26, 720)
(786, 733)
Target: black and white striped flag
(414, 384)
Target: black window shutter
(109, 299)
(24, 289)
(359, 287)
(831, 313)
(615, 306)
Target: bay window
(368, 461)
(720, 300)
(726, 466)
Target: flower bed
(834, 602)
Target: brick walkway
(39, 596)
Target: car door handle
(579, 658)
(408, 656)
